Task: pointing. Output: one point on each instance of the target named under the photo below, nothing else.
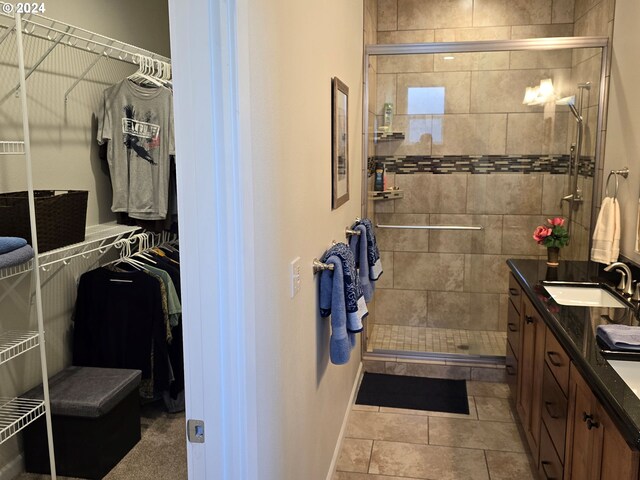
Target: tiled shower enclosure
(466, 151)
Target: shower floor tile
(436, 340)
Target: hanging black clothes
(119, 323)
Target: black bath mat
(416, 393)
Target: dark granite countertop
(575, 329)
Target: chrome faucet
(626, 284)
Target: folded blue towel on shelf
(619, 337)
(358, 245)
(16, 257)
(9, 244)
(333, 302)
(373, 254)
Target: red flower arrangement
(552, 234)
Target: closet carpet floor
(160, 453)
(397, 444)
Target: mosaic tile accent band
(481, 164)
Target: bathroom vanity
(581, 419)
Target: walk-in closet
(91, 326)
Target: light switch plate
(294, 273)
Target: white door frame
(216, 234)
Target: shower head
(570, 102)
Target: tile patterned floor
(397, 444)
(436, 340)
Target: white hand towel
(606, 236)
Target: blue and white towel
(9, 244)
(356, 306)
(373, 254)
(16, 257)
(358, 245)
(332, 302)
(619, 337)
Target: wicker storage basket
(60, 217)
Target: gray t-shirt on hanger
(138, 123)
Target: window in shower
(474, 155)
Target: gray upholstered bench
(96, 421)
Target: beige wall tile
(429, 271)
(486, 273)
(509, 465)
(384, 206)
(426, 370)
(499, 436)
(586, 185)
(472, 34)
(370, 27)
(402, 240)
(371, 6)
(430, 14)
(402, 307)
(456, 95)
(537, 133)
(590, 131)
(517, 235)
(511, 12)
(385, 91)
(406, 36)
(405, 63)
(503, 318)
(471, 61)
(588, 70)
(386, 279)
(595, 22)
(429, 193)
(554, 187)
(387, 15)
(372, 97)
(582, 7)
(469, 134)
(387, 426)
(541, 59)
(504, 194)
(562, 11)
(487, 240)
(425, 461)
(503, 91)
(469, 311)
(537, 31)
(354, 455)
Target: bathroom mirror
(340, 143)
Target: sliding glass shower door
(475, 167)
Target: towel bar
(318, 266)
(433, 227)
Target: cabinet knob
(512, 327)
(547, 406)
(528, 319)
(514, 292)
(551, 356)
(586, 416)
(591, 424)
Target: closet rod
(44, 28)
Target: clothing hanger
(142, 76)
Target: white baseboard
(12, 469)
(345, 421)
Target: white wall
(296, 47)
(65, 156)
(623, 130)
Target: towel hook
(350, 232)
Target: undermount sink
(629, 372)
(586, 295)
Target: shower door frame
(527, 44)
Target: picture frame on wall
(340, 143)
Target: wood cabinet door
(617, 461)
(580, 443)
(530, 381)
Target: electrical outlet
(296, 280)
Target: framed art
(340, 143)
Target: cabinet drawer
(550, 466)
(554, 411)
(558, 361)
(515, 293)
(513, 329)
(512, 370)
